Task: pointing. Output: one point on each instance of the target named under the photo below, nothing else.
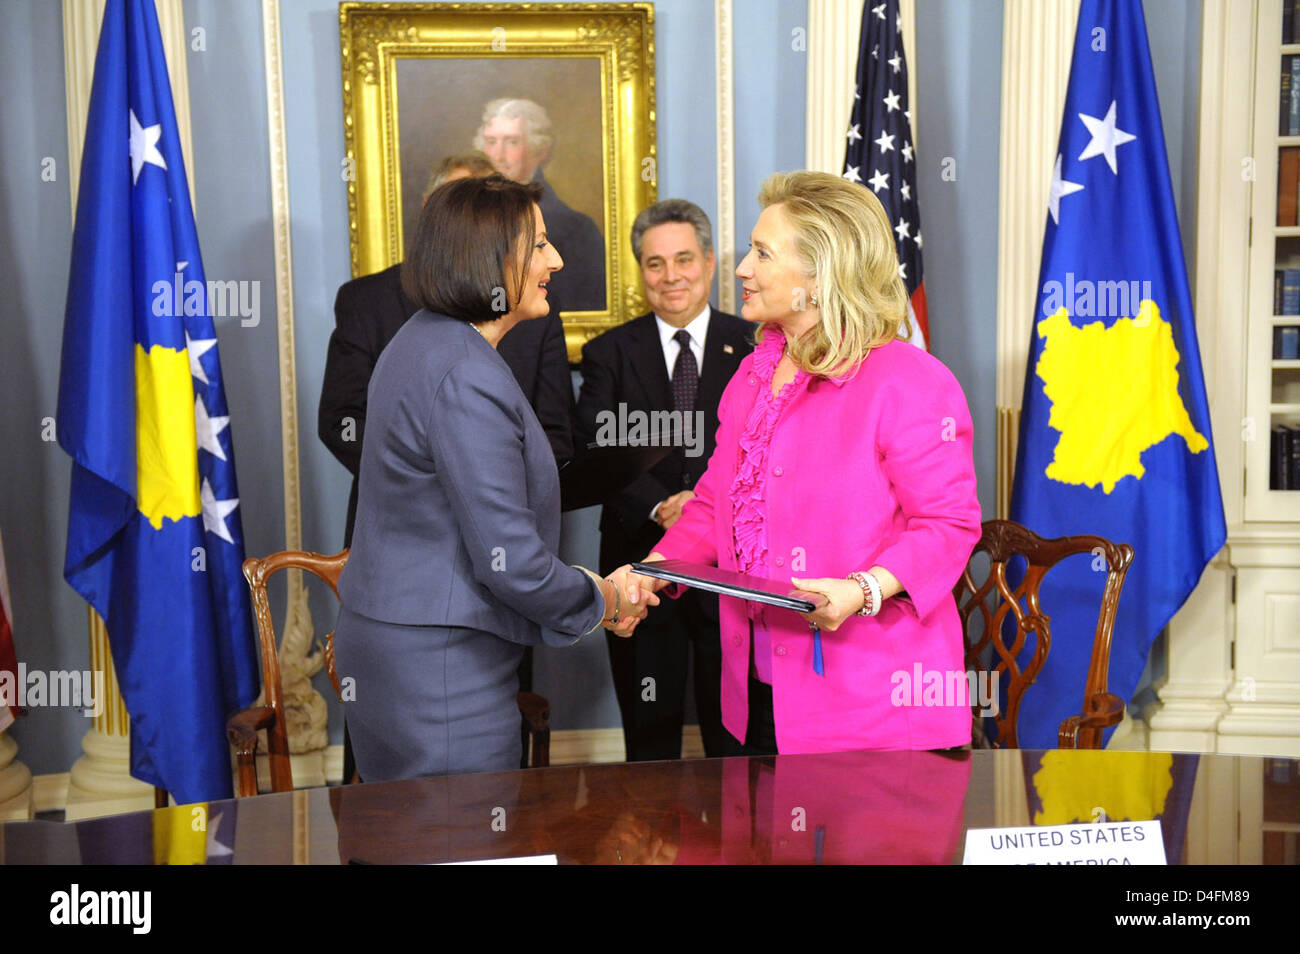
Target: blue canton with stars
(879, 153)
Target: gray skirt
(427, 700)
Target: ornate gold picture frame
(420, 82)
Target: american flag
(879, 153)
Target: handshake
(628, 597)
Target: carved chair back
(242, 728)
(995, 603)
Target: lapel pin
(728, 349)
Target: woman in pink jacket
(843, 463)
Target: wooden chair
(243, 726)
(993, 598)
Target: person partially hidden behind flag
(453, 569)
(844, 464)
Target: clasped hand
(626, 602)
(635, 595)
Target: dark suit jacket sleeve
(349, 362)
(553, 401)
(477, 435)
(601, 392)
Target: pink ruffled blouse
(749, 489)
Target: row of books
(1284, 458)
(1286, 342)
(1291, 21)
(1288, 111)
(1288, 184)
(1286, 291)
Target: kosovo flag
(1114, 430)
(154, 536)
(1065, 788)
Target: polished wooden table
(853, 807)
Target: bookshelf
(1271, 425)
(1232, 679)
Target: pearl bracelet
(871, 595)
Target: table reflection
(841, 808)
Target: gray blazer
(458, 518)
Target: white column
(15, 783)
(1037, 43)
(101, 782)
(724, 107)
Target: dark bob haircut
(468, 233)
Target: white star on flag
(207, 428)
(896, 62)
(885, 142)
(855, 132)
(891, 101)
(1059, 189)
(851, 173)
(216, 849)
(1105, 137)
(903, 228)
(879, 181)
(906, 189)
(196, 349)
(879, 11)
(918, 239)
(907, 152)
(215, 512)
(902, 270)
(144, 146)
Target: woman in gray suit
(453, 568)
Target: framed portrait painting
(560, 94)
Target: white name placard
(1104, 843)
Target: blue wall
(958, 111)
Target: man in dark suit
(369, 311)
(678, 358)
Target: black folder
(756, 589)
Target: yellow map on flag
(1114, 393)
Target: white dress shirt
(697, 328)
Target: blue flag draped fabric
(1114, 434)
(879, 153)
(155, 542)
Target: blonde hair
(844, 241)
